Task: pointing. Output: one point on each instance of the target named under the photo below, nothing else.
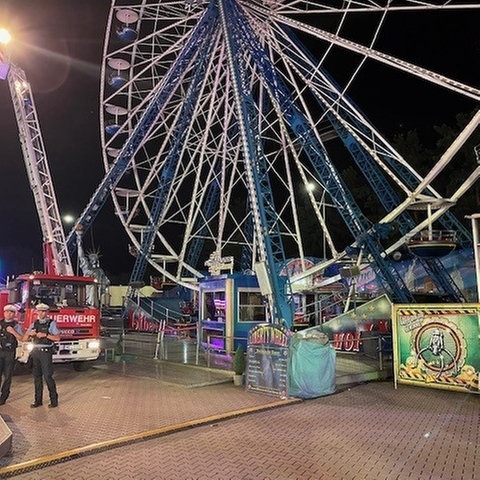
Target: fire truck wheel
(81, 366)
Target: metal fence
(181, 344)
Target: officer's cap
(42, 307)
(10, 308)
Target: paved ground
(157, 420)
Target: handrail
(154, 310)
(434, 236)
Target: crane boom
(55, 253)
(72, 299)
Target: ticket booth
(229, 306)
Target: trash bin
(312, 365)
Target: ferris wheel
(225, 132)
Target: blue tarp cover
(312, 367)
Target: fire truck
(72, 299)
(77, 320)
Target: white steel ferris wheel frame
(209, 157)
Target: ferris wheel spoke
(334, 8)
(390, 60)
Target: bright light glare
(5, 37)
(94, 345)
(68, 218)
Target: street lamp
(5, 36)
(68, 219)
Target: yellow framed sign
(437, 345)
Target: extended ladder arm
(56, 258)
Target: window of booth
(214, 306)
(251, 306)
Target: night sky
(61, 53)
(59, 45)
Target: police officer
(43, 333)
(10, 333)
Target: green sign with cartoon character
(437, 345)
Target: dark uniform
(42, 364)
(8, 346)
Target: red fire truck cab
(73, 303)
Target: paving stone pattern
(368, 431)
